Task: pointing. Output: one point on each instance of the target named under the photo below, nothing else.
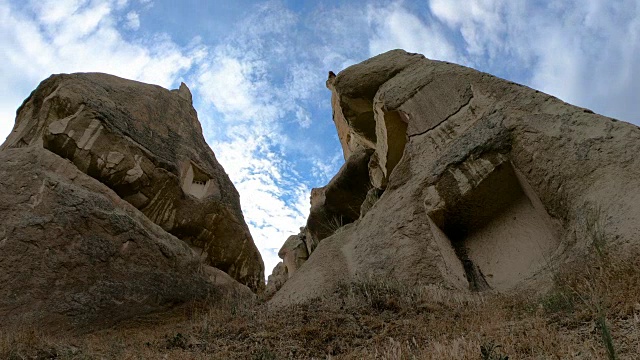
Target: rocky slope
(457, 178)
(113, 205)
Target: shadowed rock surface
(483, 184)
(145, 143)
(275, 281)
(338, 203)
(75, 256)
(113, 206)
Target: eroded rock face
(487, 184)
(293, 253)
(75, 256)
(275, 281)
(145, 143)
(339, 202)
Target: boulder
(293, 253)
(275, 281)
(145, 143)
(75, 256)
(488, 185)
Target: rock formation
(275, 281)
(473, 182)
(293, 253)
(339, 202)
(114, 205)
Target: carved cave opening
(497, 234)
(196, 182)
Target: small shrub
(334, 223)
(489, 351)
(264, 354)
(560, 300)
(178, 341)
(607, 339)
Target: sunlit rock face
(145, 143)
(293, 253)
(474, 183)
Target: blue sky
(257, 69)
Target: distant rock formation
(114, 205)
(275, 281)
(293, 253)
(472, 182)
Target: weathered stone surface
(372, 197)
(293, 253)
(146, 144)
(74, 255)
(275, 281)
(352, 98)
(354, 122)
(494, 184)
(339, 202)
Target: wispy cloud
(133, 20)
(585, 52)
(395, 27)
(258, 87)
(44, 37)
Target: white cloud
(133, 20)
(585, 52)
(478, 21)
(255, 101)
(237, 87)
(274, 200)
(394, 27)
(303, 117)
(76, 36)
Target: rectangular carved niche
(491, 227)
(196, 182)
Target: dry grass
(593, 312)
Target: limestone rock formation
(483, 184)
(293, 253)
(339, 202)
(145, 143)
(114, 206)
(74, 255)
(275, 281)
